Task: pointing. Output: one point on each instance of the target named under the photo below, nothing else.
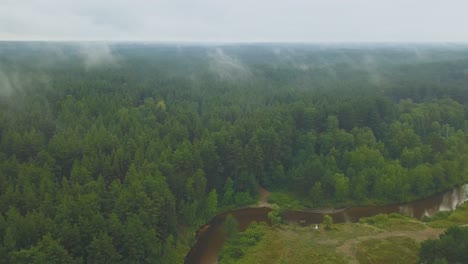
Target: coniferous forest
(117, 153)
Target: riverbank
(380, 239)
(208, 244)
(287, 200)
(266, 200)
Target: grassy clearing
(390, 250)
(379, 239)
(295, 244)
(393, 222)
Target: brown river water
(210, 237)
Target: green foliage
(451, 247)
(341, 187)
(48, 250)
(170, 252)
(211, 204)
(102, 250)
(235, 248)
(327, 222)
(378, 219)
(243, 198)
(228, 197)
(230, 226)
(389, 250)
(459, 216)
(437, 217)
(123, 158)
(285, 200)
(316, 192)
(393, 221)
(275, 215)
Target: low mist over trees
(120, 160)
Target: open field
(380, 239)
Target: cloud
(18, 75)
(242, 20)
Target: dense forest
(116, 153)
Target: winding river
(210, 237)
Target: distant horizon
(390, 42)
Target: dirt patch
(264, 194)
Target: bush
(275, 215)
(328, 222)
(397, 216)
(285, 200)
(235, 248)
(439, 216)
(379, 219)
(243, 198)
(230, 226)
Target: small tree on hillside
(274, 215)
(328, 222)
(230, 226)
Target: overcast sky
(236, 20)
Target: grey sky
(236, 20)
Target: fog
(14, 77)
(96, 54)
(228, 62)
(227, 67)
